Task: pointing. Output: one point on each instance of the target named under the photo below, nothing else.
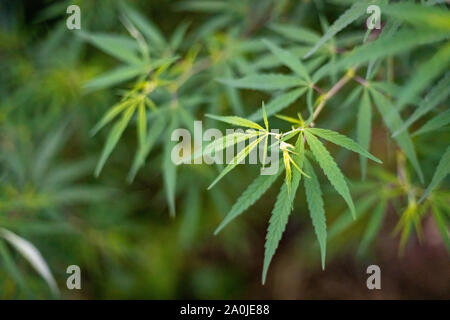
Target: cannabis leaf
(113, 138)
(253, 192)
(316, 210)
(343, 141)
(279, 103)
(434, 97)
(442, 170)
(435, 123)
(289, 60)
(363, 128)
(236, 160)
(353, 13)
(373, 227)
(393, 121)
(237, 121)
(330, 169)
(266, 82)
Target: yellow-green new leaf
(222, 143)
(282, 210)
(237, 121)
(236, 160)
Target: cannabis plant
(314, 89)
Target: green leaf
(189, 222)
(236, 160)
(424, 74)
(270, 61)
(353, 13)
(441, 224)
(435, 123)
(363, 129)
(266, 122)
(203, 6)
(279, 103)
(288, 59)
(282, 210)
(169, 168)
(253, 192)
(441, 172)
(295, 33)
(111, 114)
(393, 121)
(342, 141)
(152, 33)
(142, 124)
(316, 210)
(152, 135)
(116, 76)
(373, 227)
(401, 41)
(33, 256)
(80, 194)
(47, 150)
(67, 173)
(424, 16)
(237, 121)
(178, 35)
(233, 94)
(436, 95)
(11, 268)
(113, 138)
(345, 221)
(268, 81)
(330, 169)
(117, 46)
(222, 143)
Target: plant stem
(335, 89)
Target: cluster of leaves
(332, 78)
(317, 57)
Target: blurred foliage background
(120, 232)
